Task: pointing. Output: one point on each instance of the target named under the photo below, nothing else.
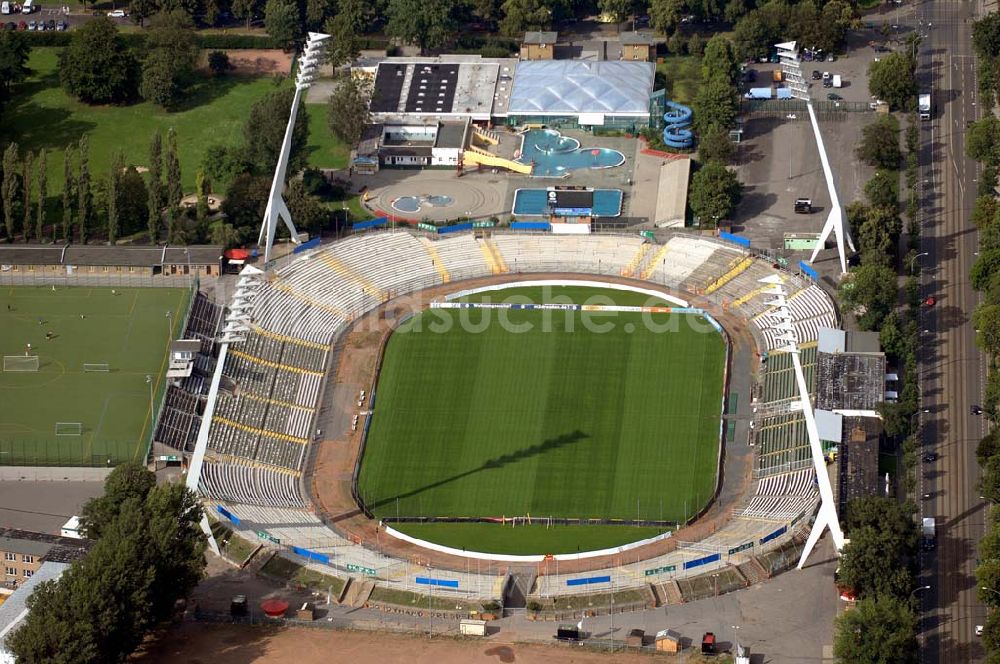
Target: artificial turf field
(489, 423)
(128, 330)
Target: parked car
(117, 13)
(930, 457)
(32, 25)
(22, 25)
(817, 74)
(62, 25)
(830, 57)
(976, 410)
(51, 25)
(827, 76)
(827, 83)
(833, 96)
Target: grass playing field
(128, 330)
(557, 420)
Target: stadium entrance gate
(516, 588)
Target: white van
(28, 6)
(4, 7)
(837, 82)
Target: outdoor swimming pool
(415, 203)
(554, 155)
(534, 203)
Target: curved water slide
(677, 133)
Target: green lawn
(495, 538)
(42, 115)
(325, 150)
(683, 77)
(545, 421)
(127, 330)
(566, 295)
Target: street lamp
(736, 630)
(914, 258)
(170, 325)
(916, 590)
(990, 590)
(149, 381)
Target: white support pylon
(276, 208)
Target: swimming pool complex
(535, 203)
(554, 155)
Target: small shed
(306, 612)
(667, 640)
(471, 627)
(635, 638)
(539, 45)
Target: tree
(171, 56)
(140, 10)
(114, 193)
(318, 11)
(720, 59)
(714, 193)
(426, 23)
(344, 28)
(984, 211)
(245, 200)
(520, 16)
(986, 36)
(281, 20)
(26, 185)
(893, 520)
(219, 63)
(309, 214)
(869, 292)
(985, 267)
(175, 191)
(617, 10)
(986, 319)
(245, 10)
(222, 163)
(879, 145)
(43, 192)
(14, 52)
(96, 67)
(132, 203)
(715, 145)
(982, 140)
(155, 199)
(202, 187)
(665, 15)
(347, 112)
(69, 187)
(989, 483)
(715, 105)
(988, 446)
(882, 190)
(876, 631)
(263, 135)
(84, 196)
(10, 188)
(870, 565)
(129, 480)
(891, 79)
(223, 234)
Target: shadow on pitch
(544, 447)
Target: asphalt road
(952, 365)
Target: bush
(219, 63)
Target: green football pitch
(126, 329)
(519, 413)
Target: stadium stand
(272, 381)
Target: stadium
(475, 467)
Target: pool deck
(485, 194)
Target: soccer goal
(96, 367)
(69, 428)
(20, 363)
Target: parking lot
(778, 159)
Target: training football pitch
(128, 330)
(540, 413)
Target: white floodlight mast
(276, 208)
(789, 56)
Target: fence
(56, 453)
(97, 280)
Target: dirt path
(330, 477)
(208, 643)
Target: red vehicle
(708, 644)
(930, 301)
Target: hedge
(214, 41)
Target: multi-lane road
(953, 368)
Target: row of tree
(113, 205)
(877, 565)
(982, 143)
(148, 554)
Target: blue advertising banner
(588, 581)
(742, 241)
(444, 583)
(813, 274)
